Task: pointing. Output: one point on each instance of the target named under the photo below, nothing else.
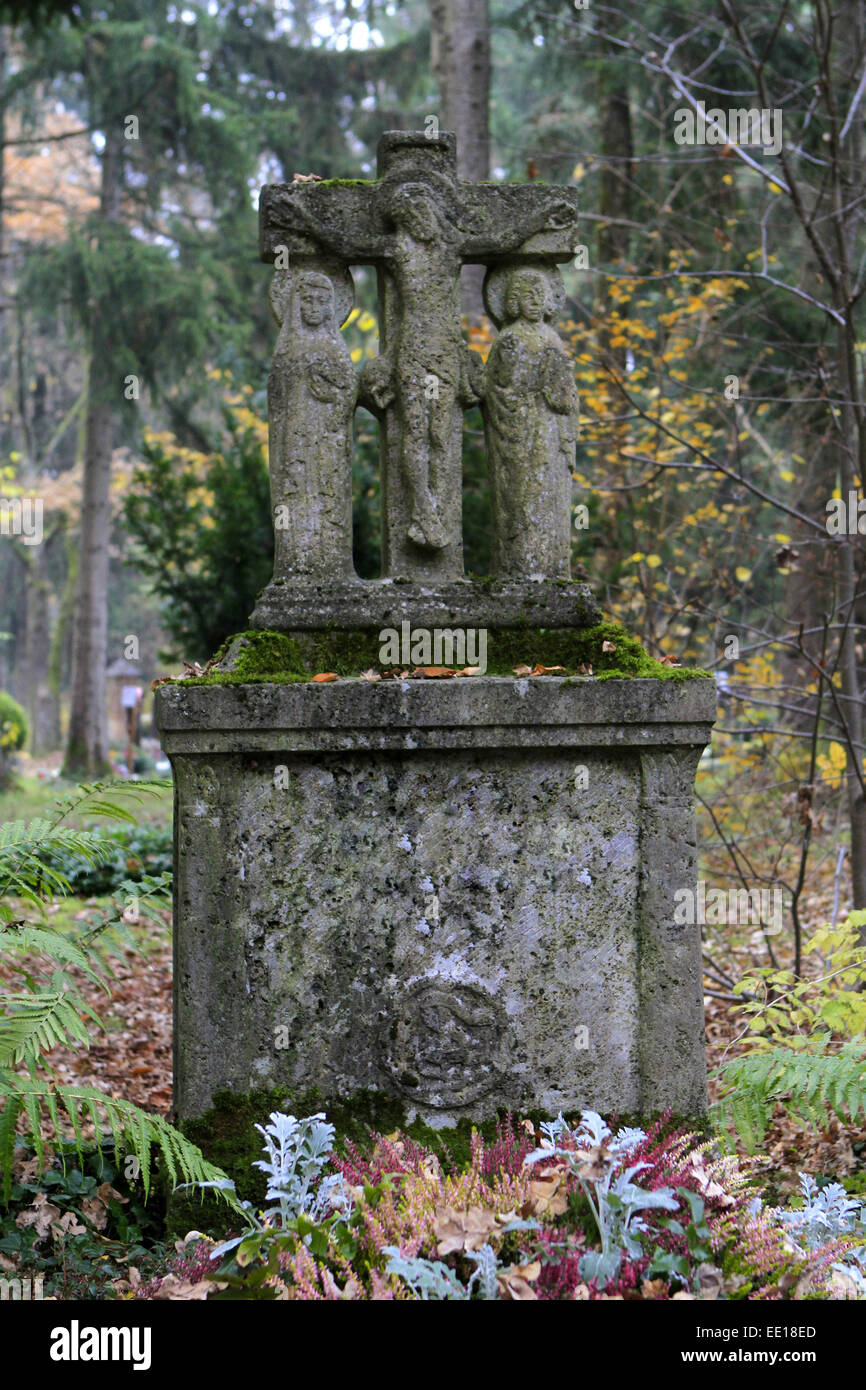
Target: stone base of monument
(458, 894)
(298, 606)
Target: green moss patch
(273, 657)
(581, 647)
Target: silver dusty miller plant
(296, 1153)
(432, 1281)
(595, 1156)
(826, 1214)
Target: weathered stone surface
(312, 605)
(432, 887)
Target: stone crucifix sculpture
(456, 893)
(418, 225)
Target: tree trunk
(460, 58)
(87, 741)
(616, 153)
(848, 193)
(42, 709)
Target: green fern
(27, 940)
(43, 1016)
(812, 1085)
(36, 1022)
(26, 847)
(134, 1131)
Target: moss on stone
(345, 183)
(573, 648)
(347, 653)
(261, 656)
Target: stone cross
(419, 226)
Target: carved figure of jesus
(419, 234)
(429, 352)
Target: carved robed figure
(530, 409)
(312, 390)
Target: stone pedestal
(457, 893)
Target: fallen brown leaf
(548, 1193)
(41, 1214)
(708, 1186)
(653, 1288)
(68, 1225)
(175, 1290)
(516, 1281)
(96, 1212)
(711, 1281)
(458, 1230)
(324, 676)
(594, 1162)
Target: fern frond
(133, 1130)
(812, 1085)
(47, 942)
(36, 1022)
(26, 870)
(26, 847)
(8, 1128)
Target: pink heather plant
(191, 1265)
(389, 1154)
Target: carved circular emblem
(445, 1043)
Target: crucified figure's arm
(286, 213)
(556, 217)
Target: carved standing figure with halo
(530, 410)
(312, 390)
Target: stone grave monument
(458, 892)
